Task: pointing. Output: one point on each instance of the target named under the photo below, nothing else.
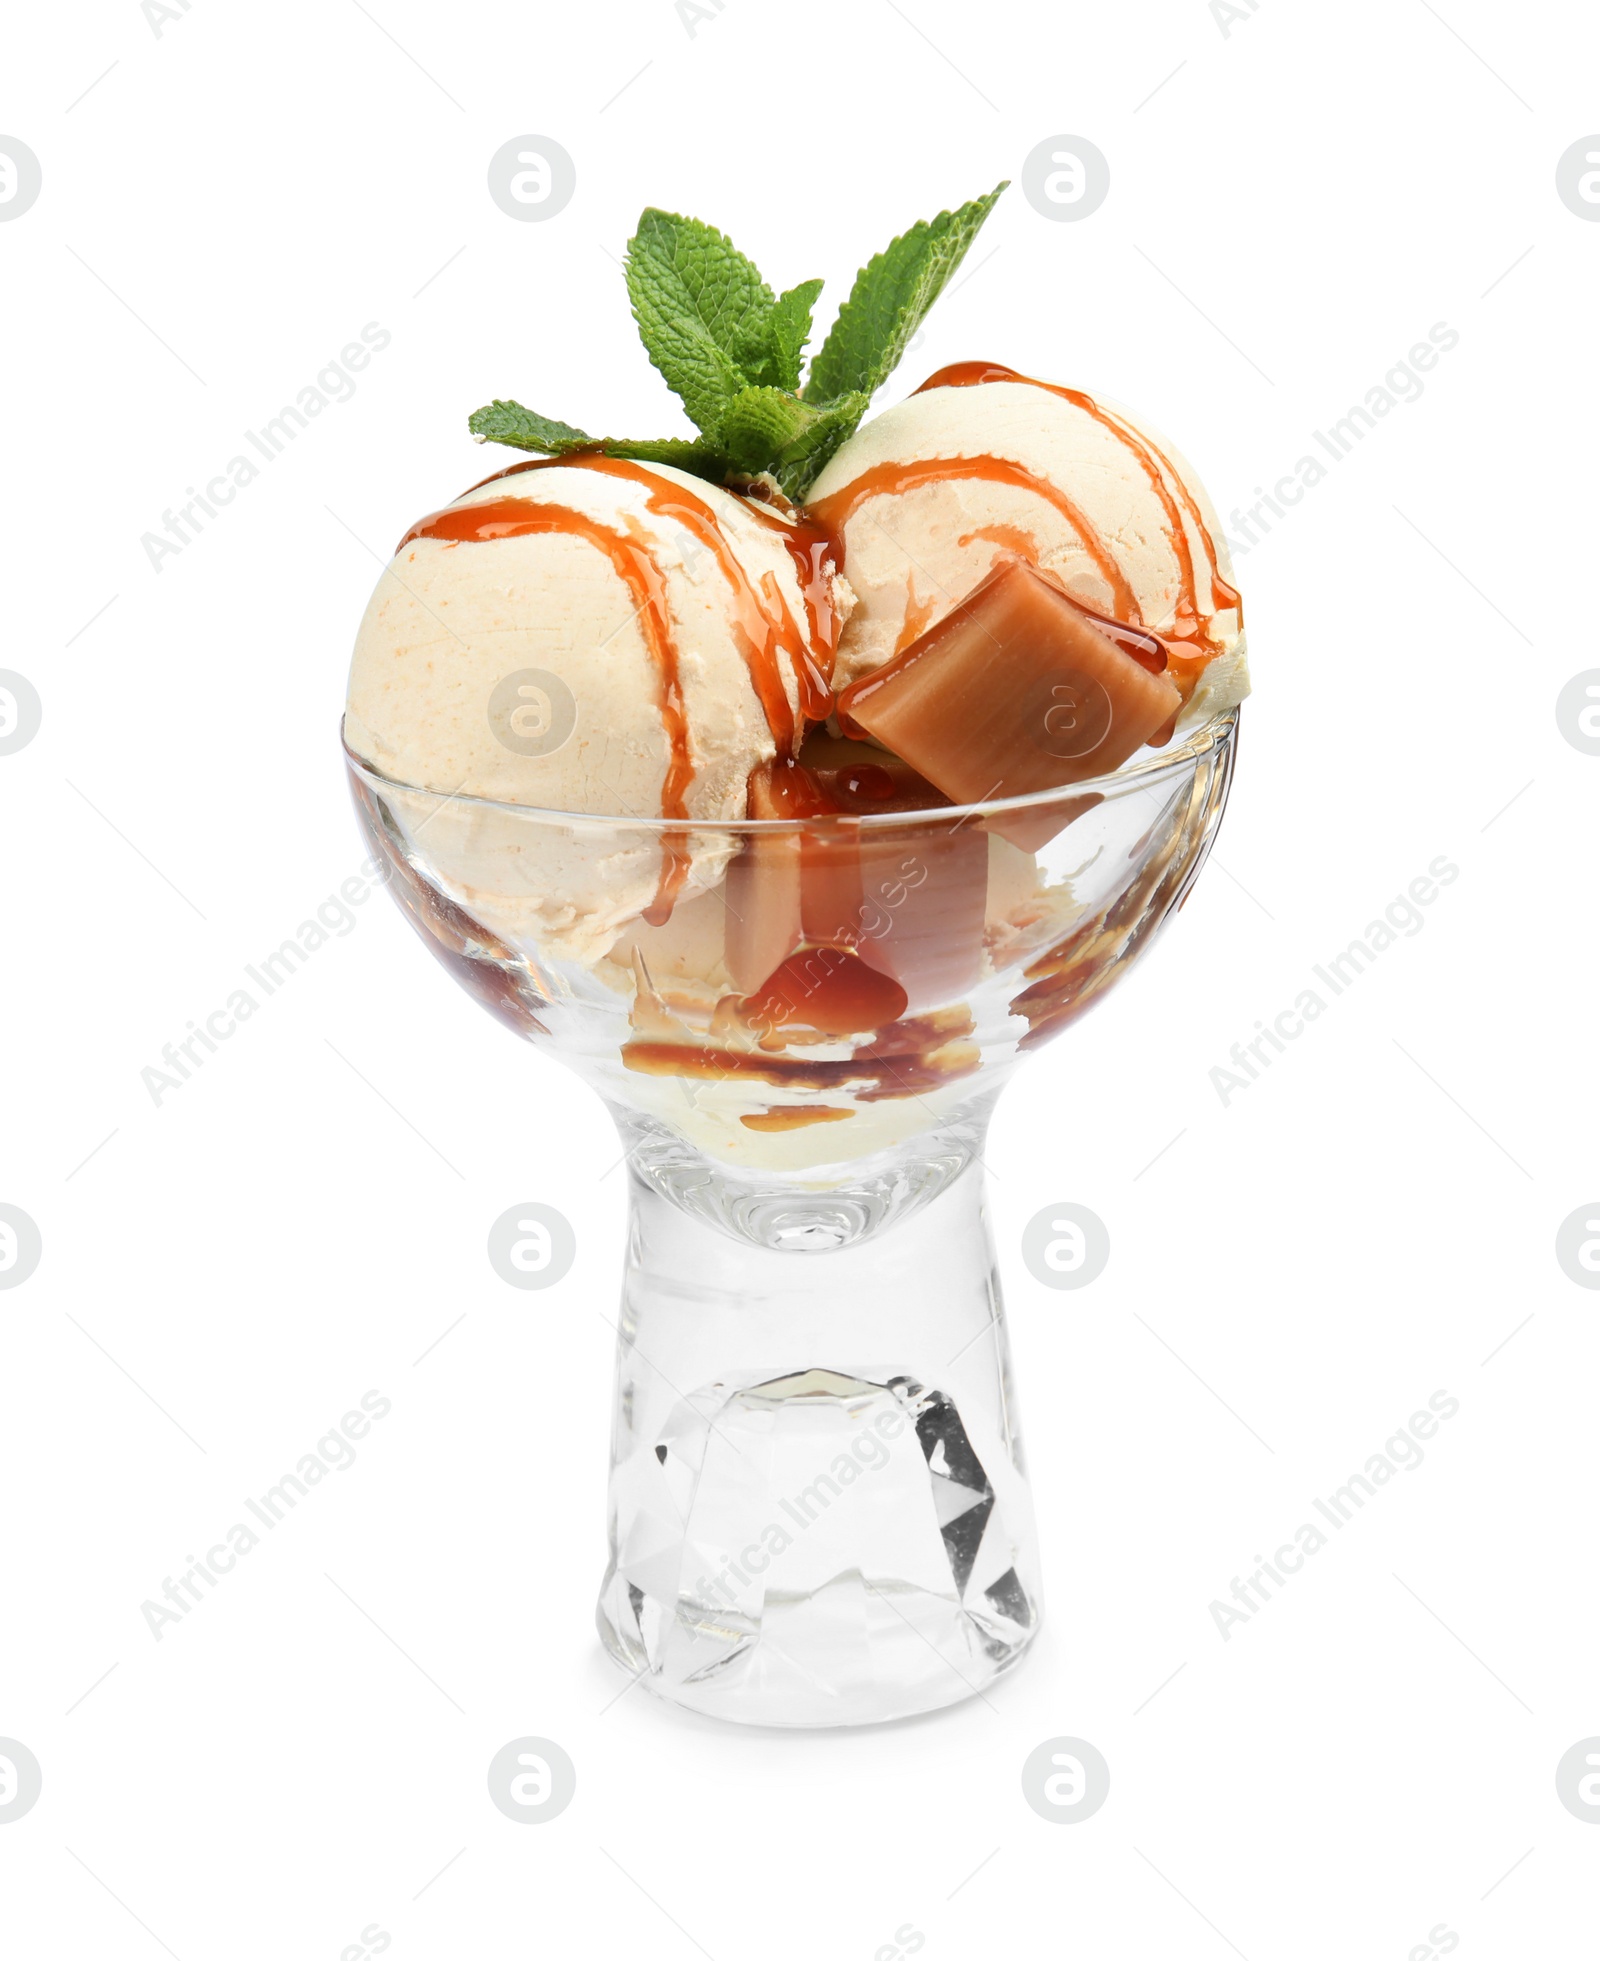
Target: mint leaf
(805, 457)
(696, 297)
(699, 459)
(759, 424)
(769, 345)
(519, 428)
(889, 299)
(754, 354)
(510, 422)
(791, 329)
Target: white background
(1295, 1273)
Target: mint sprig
(519, 428)
(732, 352)
(892, 294)
(696, 297)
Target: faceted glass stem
(819, 1512)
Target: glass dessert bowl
(800, 1022)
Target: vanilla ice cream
(596, 636)
(981, 463)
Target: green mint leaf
(767, 350)
(510, 422)
(791, 329)
(759, 424)
(754, 354)
(808, 454)
(889, 299)
(696, 297)
(519, 428)
(699, 459)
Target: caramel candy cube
(853, 882)
(924, 891)
(907, 900)
(863, 779)
(910, 898)
(1014, 691)
(762, 888)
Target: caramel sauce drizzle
(889, 479)
(817, 554)
(763, 623)
(635, 565)
(906, 1059)
(794, 1116)
(1192, 623)
(919, 615)
(1009, 537)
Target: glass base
(821, 1210)
(819, 1513)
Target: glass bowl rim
(1216, 733)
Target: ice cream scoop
(684, 633)
(601, 635)
(983, 463)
